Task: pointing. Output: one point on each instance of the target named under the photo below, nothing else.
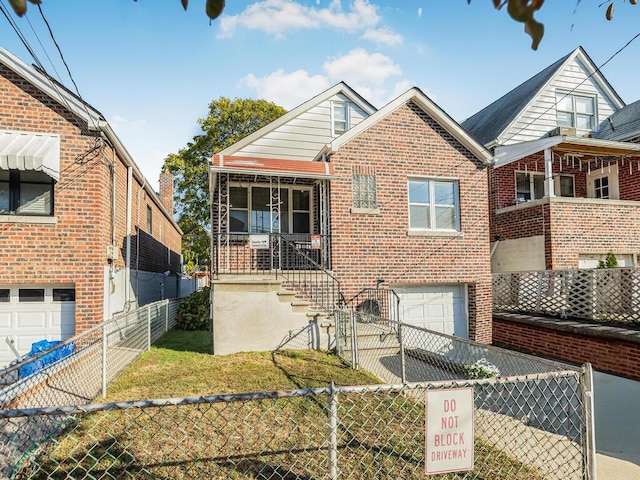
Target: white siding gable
(539, 117)
(302, 137)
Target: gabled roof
(339, 88)
(623, 125)
(492, 121)
(83, 111)
(416, 96)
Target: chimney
(166, 191)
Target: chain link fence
(538, 411)
(532, 419)
(369, 432)
(604, 294)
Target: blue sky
(151, 68)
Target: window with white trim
(26, 192)
(340, 121)
(601, 187)
(433, 204)
(577, 111)
(564, 186)
(251, 210)
(529, 186)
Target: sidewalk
(611, 468)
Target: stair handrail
(311, 269)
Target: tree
(520, 10)
(227, 122)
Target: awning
(30, 151)
(275, 167)
(562, 144)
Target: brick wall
(72, 250)
(366, 247)
(611, 355)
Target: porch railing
(254, 254)
(606, 295)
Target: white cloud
(382, 36)
(276, 17)
(419, 12)
(374, 76)
(362, 67)
(287, 89)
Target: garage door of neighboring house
(441, 308)
(32, 313)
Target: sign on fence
(449, 430)
(258, 242)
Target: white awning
(30, 151)
(565, 145)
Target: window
(564, 186)
(433, 205)
(26, 193)
(149, 220)
(64, 295)
(529, 186)
(364, 189)
(601, 187)
(31, 295)
(339, 118)
(4, 295)
(250, 210)
(575, 111)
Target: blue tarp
(46, 360)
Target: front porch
(564, 203)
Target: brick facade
(570, 227)
(72, 250)
(369, 246)
(609, 354)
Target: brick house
(393, 196)
(82, 234)
(564, 184)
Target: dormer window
(576, 111)
(339, 118)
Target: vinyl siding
(302, 137)
(540, 116)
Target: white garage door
(32, 313)
(441, 308)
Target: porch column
(549, 190)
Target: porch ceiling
(275, 167)
(584, 148)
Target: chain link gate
(536, 410)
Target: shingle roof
(623, 125)
(491, 121)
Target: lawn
(380, 434)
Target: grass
(380, 435)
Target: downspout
(127, 282)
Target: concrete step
(286, 295)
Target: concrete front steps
(258, 313)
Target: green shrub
(193, 311)
(609, 262)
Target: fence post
(104, 359)
(333, 432)
(166, 317)
(354, 339)
(588, 421)
(403, 375)
(149, 327)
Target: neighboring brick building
(564, 185)
(397, 194)
(82, 234)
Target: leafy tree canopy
(227, 122)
